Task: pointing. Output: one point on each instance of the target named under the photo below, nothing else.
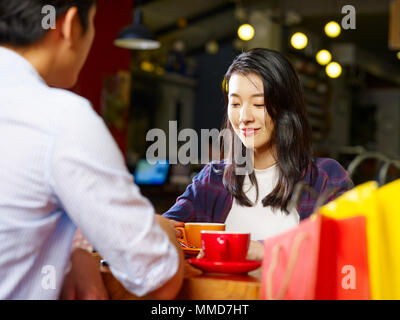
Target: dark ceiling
(216, 19)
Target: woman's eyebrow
(253, 95)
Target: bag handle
(384, 170)
(289, 270)
(362, 157)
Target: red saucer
(225, 267)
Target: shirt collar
(13, 63)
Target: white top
(61, 168)
(261, 222)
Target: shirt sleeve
(187, 207)
(338, 180)
(88, 175)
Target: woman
(266, 111)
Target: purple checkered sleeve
(332, 177)
(205, 199)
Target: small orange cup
(191, 232)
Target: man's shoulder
(66, 101)
(67, 110)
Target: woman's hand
(175, 224)
(256, 251)
(83, 281)
(178, 233)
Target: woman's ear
(70, 25)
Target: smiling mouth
(249, 132)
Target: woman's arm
(188, 205)
(338, 180)
(205, 199)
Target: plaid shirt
(207, 200)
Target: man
(60, 168)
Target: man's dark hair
(21, 20)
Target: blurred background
(155, 61)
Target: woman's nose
(246, 114)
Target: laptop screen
(151, 174)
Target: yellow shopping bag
(367, 200)
(389, 211)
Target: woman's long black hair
(291, 135)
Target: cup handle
(183, 238)
(222, 248)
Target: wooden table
(198, 285)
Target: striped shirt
(61, 168)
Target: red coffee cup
(225, 246)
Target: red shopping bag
(321, 258)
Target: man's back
(30, 215)
(59, 163)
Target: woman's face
(247, 113)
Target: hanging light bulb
(246, 32)
(147, 66)
(332, 29)
(333, 70)
(398, 55)
(299, 40)
(323, 57)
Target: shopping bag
(383, 227)
(389, 213)
(321, 258)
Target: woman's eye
(235, 104)
(259, 105)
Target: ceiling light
(137, 35)
(246, 32)
(299, 40)
(323, 57)
(333, 70)
(147, 66)
(332, 29)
